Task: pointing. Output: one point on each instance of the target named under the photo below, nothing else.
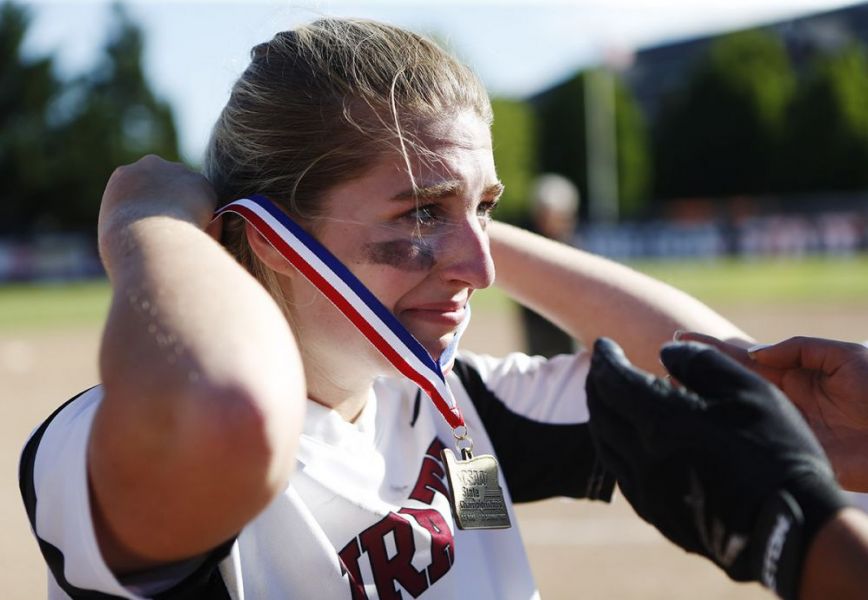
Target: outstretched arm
(728, 469)
(204, 388)
(589, 296)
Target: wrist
(786, 527)
(835, 562)
(820, 498)
(127, 241)
(121, 217)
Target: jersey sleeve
(54, 487)
(535, 413)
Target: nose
(466, 255)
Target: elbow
(222, 421)
(179, 472)
(248, 433)
(234, 442)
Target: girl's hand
(152, 187)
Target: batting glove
(725, 467)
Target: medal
(476, 496)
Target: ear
(215, 228)
(263, 249)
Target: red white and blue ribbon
(354, 300)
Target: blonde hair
(318, 105)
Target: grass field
(768, 281)
(780, 282)
(46, 306)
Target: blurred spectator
(554, 214)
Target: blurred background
(720, 146)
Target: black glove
(728, 469)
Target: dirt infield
(577, 549)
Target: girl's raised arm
(589, 296)
(204, 387)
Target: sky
(196, 49)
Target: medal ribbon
(355, 301)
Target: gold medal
(475, 495)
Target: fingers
(817, 354)
(622, 388)
(615, 434)
(608, 357)
(619, 465)
(735, 351)
(705, 370)
(615, 379)
(695, 336)
(739, 350)
(606, 422)
(614, 438)
(153, 186)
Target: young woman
(246, 439)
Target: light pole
(601, 140)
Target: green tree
(561, 118)
(27, 90)
(513, 135)
(563, 135)
(116, 119)
(720, 134)
(827, 138)
(60, 141)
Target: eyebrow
(438, 191)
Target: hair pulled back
(318, 105)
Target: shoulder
(69, 423)
(551, 390)
(519, 364)
(534, 412)
(53, 482)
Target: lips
(446, 313)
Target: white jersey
(366, 514)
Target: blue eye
(486, 208)
(424, 215)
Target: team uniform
(366, 514)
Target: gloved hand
(725, 468)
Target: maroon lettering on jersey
(398, 568)
(349, 559)
(392, 564)
(442, 554)
(431, 478)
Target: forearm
(836, 565)
(204, 396)
(186, 317)
(589, 296)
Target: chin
(436, 346)
(434, 339)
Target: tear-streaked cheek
(407, 255)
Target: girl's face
(421, 255)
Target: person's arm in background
(203, 385)
(589, 296)
(828, 381)
(728, 469)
